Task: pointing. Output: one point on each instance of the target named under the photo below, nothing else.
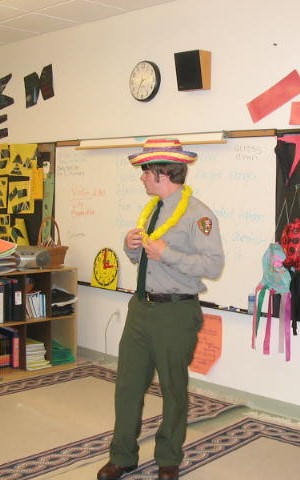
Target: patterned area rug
(200, 408)
(225, 441)
(196, 454)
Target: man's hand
(133, 239)
(154, 248)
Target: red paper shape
(295, 113)
(209, 346)
(275, 97)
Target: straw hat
(162, 150)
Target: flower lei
(171, 222)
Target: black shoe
(168, 473)
(110, 471)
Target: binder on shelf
(13, 301)
(8, 305)
(16, 300)
(13, 335)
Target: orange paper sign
(209, 347)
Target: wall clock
(105, 269)
(144, 81)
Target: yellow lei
(173, 220)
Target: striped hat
(162, 150)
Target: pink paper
(295, 114)
(275, 97)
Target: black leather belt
(167, 297)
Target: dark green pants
(162, 337)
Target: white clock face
(144, 81)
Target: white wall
(92, 64)
(102, 316)
(253, 44)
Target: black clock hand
(140, 85)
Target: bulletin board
(26, 190)
(99, 195)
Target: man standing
(164, 315)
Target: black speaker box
(193, 70)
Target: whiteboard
(99, 195)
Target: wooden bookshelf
(48, 328)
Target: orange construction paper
(275, 97)
(209, 346)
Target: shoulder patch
(205, 225)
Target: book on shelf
(38, 365)
(35, 351)
(9, 263)
(5, 351)
(9, 260)
(5, 360)
(13, 335)
(30, 359)
(34, 345)
(1, 302)
(35, 355)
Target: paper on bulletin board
(13, 231)
(209, 346)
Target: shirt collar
(172, 200)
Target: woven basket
(56, 250)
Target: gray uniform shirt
(190, 254)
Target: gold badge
(205, 225)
